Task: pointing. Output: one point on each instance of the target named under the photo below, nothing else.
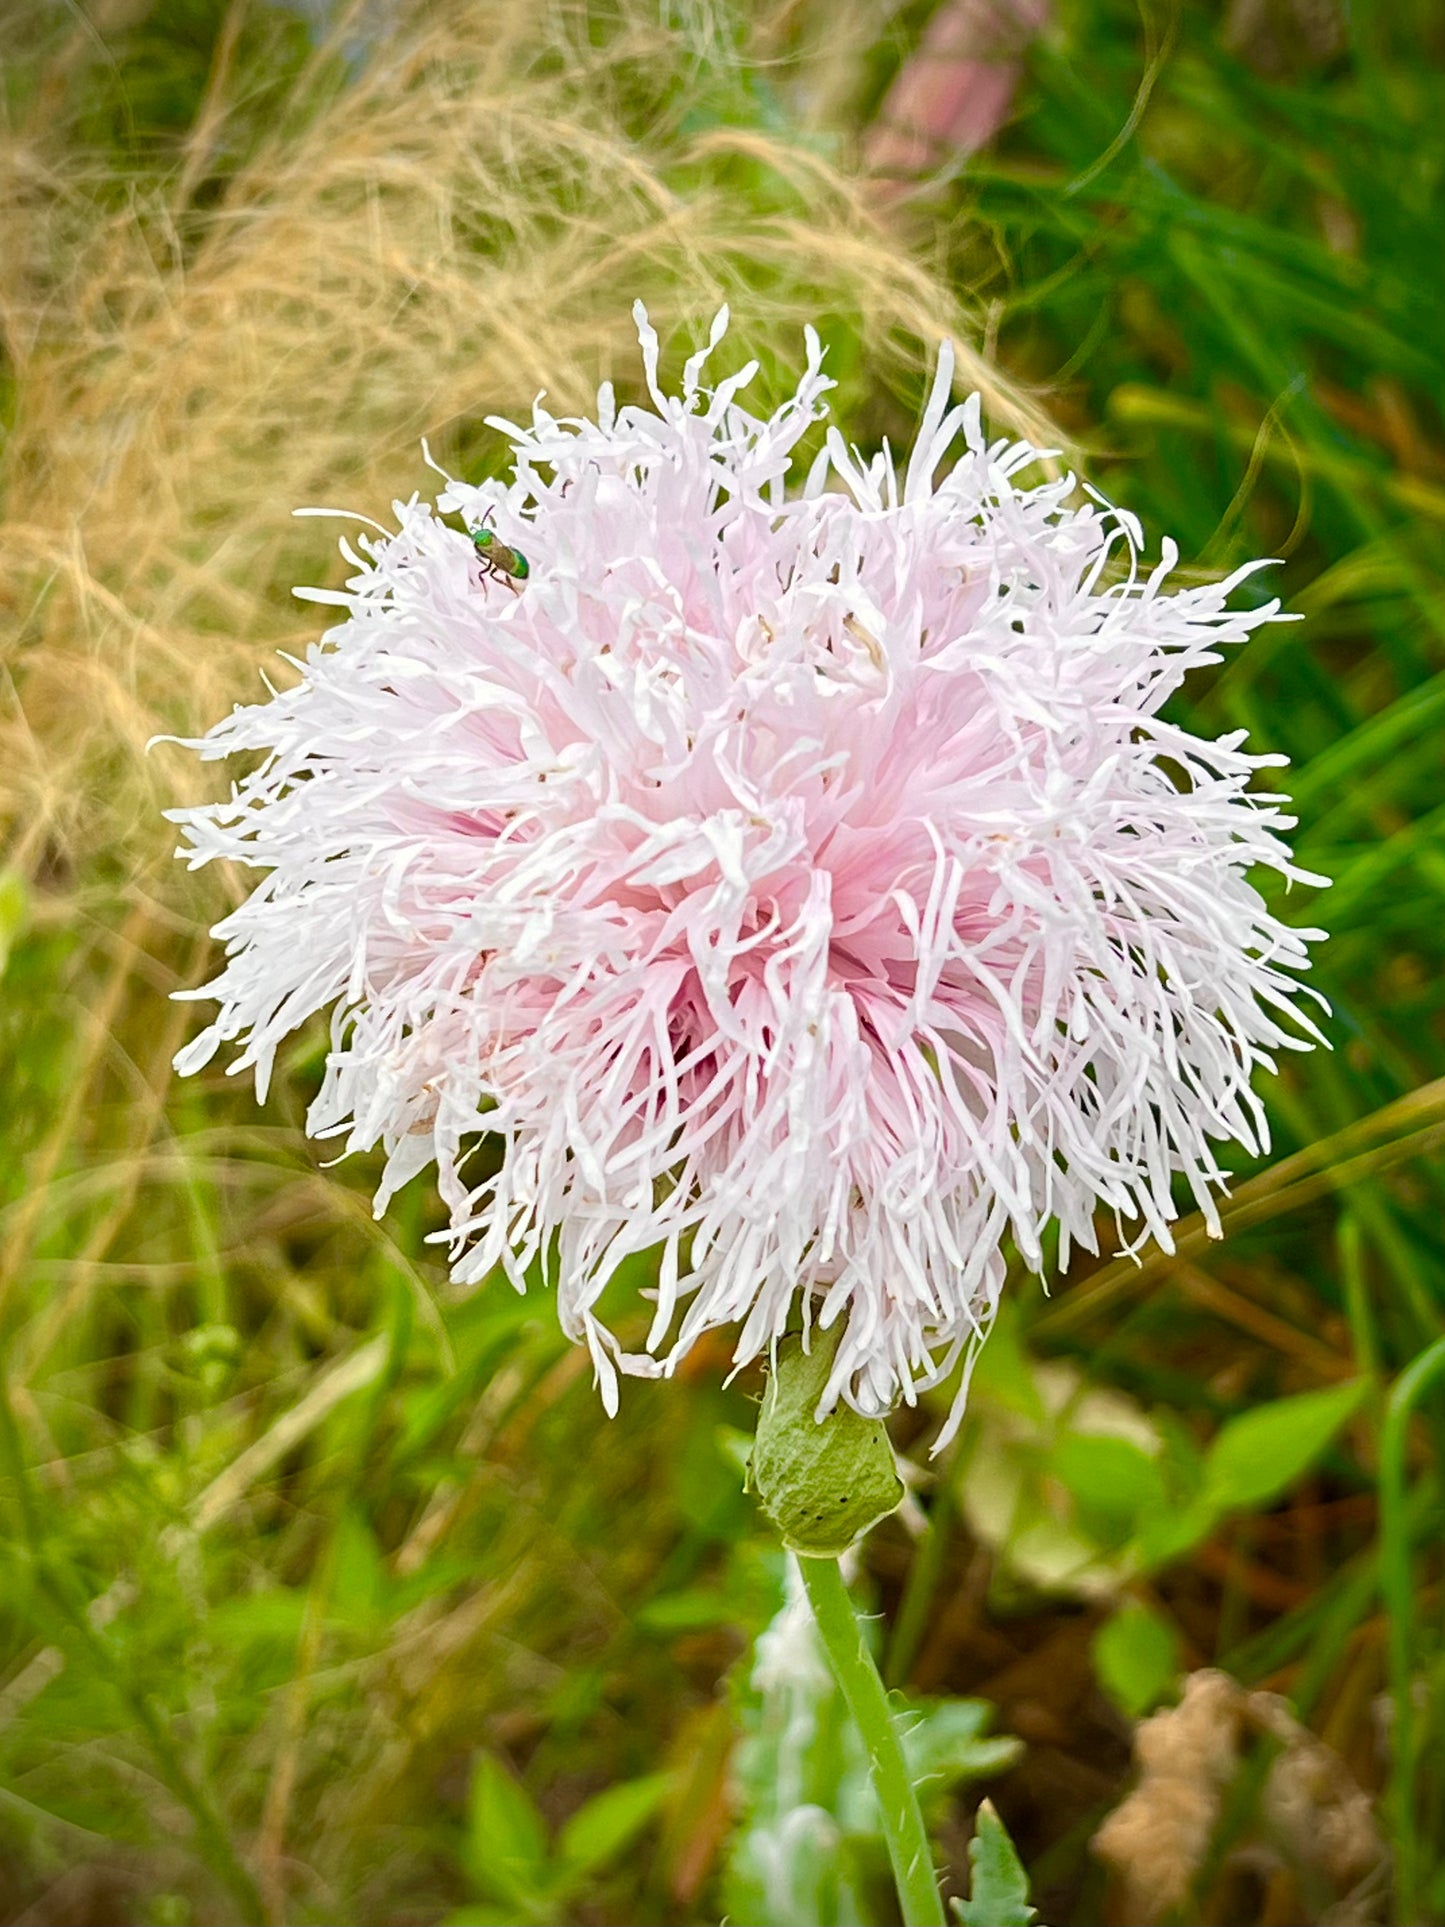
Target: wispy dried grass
(448, 208)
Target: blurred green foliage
(325, 1596)
(808, 1840)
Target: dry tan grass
(464, 221)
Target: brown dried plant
(1312, 1842)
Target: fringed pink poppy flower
(804, 887)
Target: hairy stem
(862, 1689)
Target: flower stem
(857, 1676)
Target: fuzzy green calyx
(822, 1483)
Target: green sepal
(822, 1482)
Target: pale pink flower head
(800, 884)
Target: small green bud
(822, 1483)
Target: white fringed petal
(807, 887)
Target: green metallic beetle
(498, 558)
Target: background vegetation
(329, 1596)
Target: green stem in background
(1350, 1244)
(1409, 1388)
(921, 1586)
(862, 1689)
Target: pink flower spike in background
(804, 886)
(956, 90)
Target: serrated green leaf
(506, 1845)
(1136, 1657)
(999, 1887)
(1260, 1454)
(603, 1827)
